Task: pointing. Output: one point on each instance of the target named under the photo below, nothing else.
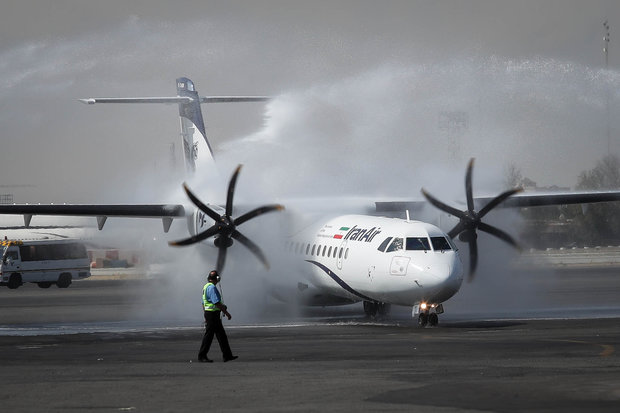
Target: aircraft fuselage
(378, 259)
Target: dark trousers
(213, 326)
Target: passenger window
(324, 250)
(318, 251)
(418, 244)
(340, 253)
(307, 249)
(440, 244)
(396, 245)
(346, 254)
(313, 248)
(384, 244)
(329, 253)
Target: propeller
(470, 220)
(225, 227)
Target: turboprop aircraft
(379, 260)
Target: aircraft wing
(166, 212)
(521, 200)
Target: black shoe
(204, 360)
(231, 358)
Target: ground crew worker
(213, 307)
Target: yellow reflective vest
(208, 305)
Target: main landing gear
(428, 314)
(372, 308)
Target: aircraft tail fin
(193, 132)
(196, 147)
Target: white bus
(44, 262)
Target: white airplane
(350, 258)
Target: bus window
(11, 255)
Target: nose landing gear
(428, 314)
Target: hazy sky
(364, 88)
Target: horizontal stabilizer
(232, 99)
(177, 99)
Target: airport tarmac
(78, 350)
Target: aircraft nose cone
(448, 273)
(441, 271)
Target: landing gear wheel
(433, 319)
(15, 280)
(370, 308)
(384, 309)
(64, 280)
(423, 319)
(44, 284)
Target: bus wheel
(64, 280)
(15, 280)
(45, 284)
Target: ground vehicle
(44, 262)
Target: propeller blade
(256, 212)
(196, 238)
(221, 259)
(498, 200)
(251, 246)
(231, 190)
(468, 185)
(458, 228)
(444, 207)
(499, 234)
(211, 213)
(473, 259)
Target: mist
(371, 102)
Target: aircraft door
(399, 266)
(341, 253)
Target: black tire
(384, 309)
(422, 319)
(15, 280)
(433, 319)
(64, 280)
(44, 284)
(370, 308)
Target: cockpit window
(418, 244)
(440, 244)
(384, 244)
(396, 245)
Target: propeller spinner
(470, 220)
(225, 226)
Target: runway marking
(608, 349)
(35, 346)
